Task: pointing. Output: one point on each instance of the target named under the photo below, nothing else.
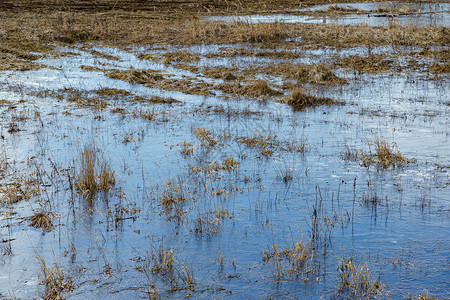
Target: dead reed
(356, 281)
(94, 172)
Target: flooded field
(231, 153)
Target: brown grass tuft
(301, 99)
(136, 76)
(56, 283)
(41, 220)
(319, 74)
(94, 173)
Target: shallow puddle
(404, 14)
(211, 194)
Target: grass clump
(186, 148)
(161, 100)
(229, 164)
(164, 264)
(172, 197)
(176, 56)
(17, 191)
(112, 92)
(300, 99)
(136, 76)
(385, 155)
(94, 173)
(373, 63)
(424, 296)
(318, 74)
(294, 261)
(440, 68)
(256, 89)
(356, 281)
(41, 220)
(56, 283)
(205, 136)
(266, 145)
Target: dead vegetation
(385, 155)
(301, 99)
(356, 281)
(170, 57)
(163, 263)
(136, 76)
(368, 64)
(258, 89)
(56, 283)
(41, 220)
(18, 190)
(205, 137)
(94, 173)
(424, 296)
(172, 197)
(296, 260)
(154, 79)
(266, 145)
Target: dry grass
(229, 164)
(424, 296)
(186, 149)
(41, 220)
(266, 145)
(157, 100)
(385, 155)
(56, 283)
(154, 79)
(259, 89)
(163, 263)
(356, 281)
(94, 172)
(206, 224)
(112, 92)
(300, 99)
(170, 57)
(440, 68)
(291, 262)
(234, 52)
(136, 76)
(368, 64)
(18, 190)
(173, 196)
(205, 137)
(318, 74)
(225, 73)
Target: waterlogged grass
(383, 155)
(167, 155)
